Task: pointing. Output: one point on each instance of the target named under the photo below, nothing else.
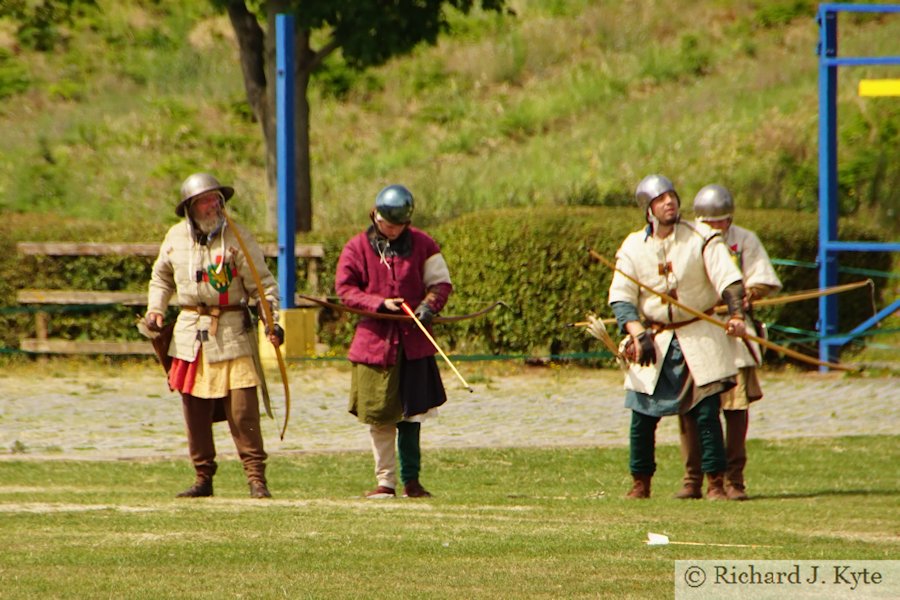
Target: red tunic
(363, 281)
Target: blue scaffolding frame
(829, 245)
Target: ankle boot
(258, 489)
(640, 488)
(735, 491)
(691, 490)
(715, 486)
(202, 488)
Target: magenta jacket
(363, 281)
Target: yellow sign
(879, 87)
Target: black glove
(277, 330)
(648, 348)
(424, 314)
(733, 296)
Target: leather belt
(657, 327)
(214, 312)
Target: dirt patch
(61, 412)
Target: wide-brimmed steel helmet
(652, 187)
(713, 203)
(395, 204)
(200, 183)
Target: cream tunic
(752, 259)
(193, 272)
(692, 264)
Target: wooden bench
(42, 344)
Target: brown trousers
(736, 422)
(242, 414)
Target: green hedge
(535, 260)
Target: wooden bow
(710, 319)
(269, 318)
(803, 295)
(398, 317)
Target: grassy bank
(569, 102)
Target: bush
(535, 260)
(14, 77)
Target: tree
(37, 22)
(367, 33)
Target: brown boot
(736, 491)
(414, 489)
(691, 490)
(692, 455)
(258, 489)
(735, 453)
(715, 486)
(640, 489)
(202, 488)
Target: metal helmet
(713, 203)
(200, 183)
(652, 187)
(395, 204)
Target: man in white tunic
(678, 364)
(714, 206)
(212, 367)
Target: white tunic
(693, 265)
(214, 275)
(752, 259)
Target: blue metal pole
(284, 124)
(828, 205)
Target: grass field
(504, 523)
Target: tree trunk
(257, 54)
(258, 64)
(305, 64)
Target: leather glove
(154, 321)
(424, 314)
(278, 332)
(648, 348)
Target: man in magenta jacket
(395, 382)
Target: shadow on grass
(824, 493)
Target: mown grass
(504, 523)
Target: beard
(209, 225)
(669, 220)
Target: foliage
(504, 523)
(14, 77)
(142, 93)
(39, 23)
(783, 12)
(535, 260)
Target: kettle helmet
(652, 187)
(395, 204)
(197, 184)
(713, 203)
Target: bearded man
(201, 262)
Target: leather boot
(202, 488)
(258, 489)
(715, 486)
(736, 492)
(692, 487)
(691, 490)
(640, 489)
(736, 422)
